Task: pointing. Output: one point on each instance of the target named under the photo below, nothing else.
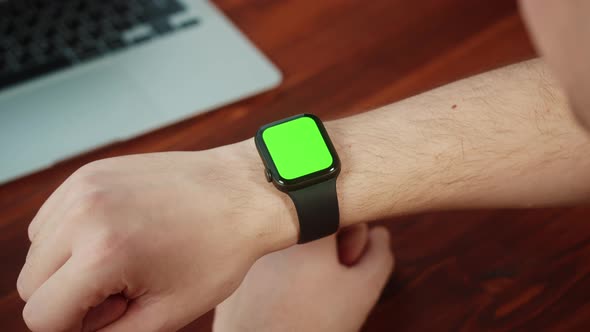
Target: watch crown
(268, 175)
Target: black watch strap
(317, 209)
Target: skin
(89, 242)
(116, 225)
(289, 278)
(556, 27)
(561, 32)
(105, 246)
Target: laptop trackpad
(68, 115)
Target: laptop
(79, 74)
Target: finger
(144, 316)
(351, 243)
(366, 279)
(47, 209)
(48, 251)
(377, 263)
(49, 248)
(59, 203)
(105, 313)
(369, 276)
(42, 214)
(45, 257)
(63, 301)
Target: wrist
(270, 216)
(385, 173)
(380, 178)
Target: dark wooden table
(456, 271)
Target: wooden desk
(505, 270)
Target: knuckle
(88, 177)
(31, 231)
(90, 167)
(87, 208)
(87, 196)
(85, 181)
(92, 201)
(31, 320)
(27, 317)
(92, 193)
(34, 321)
(21, 288)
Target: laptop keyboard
(38, 37)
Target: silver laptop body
(127, 93)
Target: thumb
(145, 315)
(351, 242)
(105, 313)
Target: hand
(306, 288)
(149, 242)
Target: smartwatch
(300, 160)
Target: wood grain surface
(525, 270)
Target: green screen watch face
(298, 147)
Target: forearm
(501, 139)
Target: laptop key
(86, 51)
(168, 7)
(114, 42)
(138, 33)
(161, 26)
(8, 78)
(35, 34)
